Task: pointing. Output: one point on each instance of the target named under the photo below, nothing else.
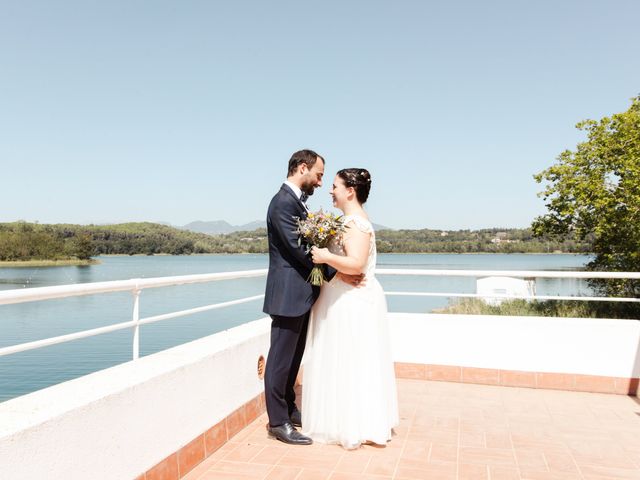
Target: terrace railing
(137, 286)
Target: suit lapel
(287, 189)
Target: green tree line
(475, 241)
(32, 241)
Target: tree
(83, 246)
(594, 194)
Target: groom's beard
(308, 188)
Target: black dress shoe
(296, 418)
(287, 434)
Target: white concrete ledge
(119, 422)
(583, 346)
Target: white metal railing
(136, 286)
(513, 274)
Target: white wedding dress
(348, 387)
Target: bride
(349, 390)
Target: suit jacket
(288, 293)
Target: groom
(289, 297)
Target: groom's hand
(355, 280)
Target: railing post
(136, 320)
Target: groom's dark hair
(308, 157)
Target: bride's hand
(354, 280)
(319, 255)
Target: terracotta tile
(314, 474)
(215, 437)
(472, 439)
(355, 476)
(353, 463)
(430, 472)
(309, 461)
(271, 454)
(165, 470)
(592, 471)
(487, 456)
(456, 430)
(531, 459)
(240, 468)
(432, 434)
(513, 378)
(504, 473)
(226, 448)
(244, 453)
(252, 409)
(536, 475)
(236, 422)
(558, 381)
(215, 475)
(417, 450)
(605, 460)
(141, 477)
(191, 455)
(498, 439)
(283, 473)
(200, 469)
(485, 376)
(627, 386)
(560, 462)
(592, 383)
(534, 438)
(443, 453)
(470, 471)
(381, 466)
(411, 370)
(445, 373)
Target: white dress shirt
(294, 187)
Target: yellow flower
(332, 232)
(321, 229)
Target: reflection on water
(30, 371)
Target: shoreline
(48, 263)
(96, 260)
(379, 253)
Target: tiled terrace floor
(460, 431)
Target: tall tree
(83, 246)
(594, 192)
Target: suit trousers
(288, 338)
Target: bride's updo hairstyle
(359, 179)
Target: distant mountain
(221, 227)
(377, 227)
(248, 227)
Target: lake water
(29, 371)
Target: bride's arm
(356, 247)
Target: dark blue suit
(288, 299)
(288, 293)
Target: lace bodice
(364, 225)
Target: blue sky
(180, 111)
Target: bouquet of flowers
(317, 230)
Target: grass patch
(547, 308)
